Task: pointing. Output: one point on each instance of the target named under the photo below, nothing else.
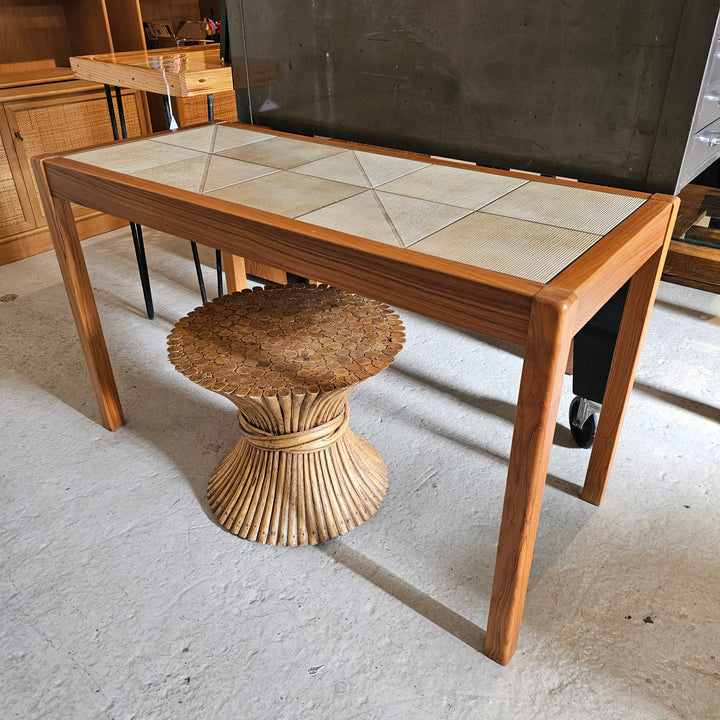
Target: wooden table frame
(543, 318)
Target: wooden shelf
(35, 77)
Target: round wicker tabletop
(293, 337)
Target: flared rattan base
(288, 358)
(284, 498)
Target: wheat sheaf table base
(288, 357)
(514, 256)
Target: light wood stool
(288, 357)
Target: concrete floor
(122, 598)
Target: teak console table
(517, 257)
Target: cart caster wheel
(583, 432)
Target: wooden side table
(517, 257)
(288, 357)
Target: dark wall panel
(584, 89)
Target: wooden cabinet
(53, 117)
(43, 109)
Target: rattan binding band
(303, 441)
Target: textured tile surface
(196, 139)
(185, 174)
(521, 227)
(393, 219)
(286, 193)
(280, 152)
(205, 173)
(360, 168)
(514, 247)
(470, 189)
(133, 156)
(212, 138)
(576, 208)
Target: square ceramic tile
(591, 211)
(469, 189)
(282, 153)
(392, 219)
(286, 193)
(224, 171)
(212, 138)
(204, 173)
(186, 174)
(134, 156)
(229, 137)
(515, 247)
(200, 139)
(360, 168)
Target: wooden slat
(693, 265)
(707, 235)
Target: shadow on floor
(500, 408)
(685, 403)
(442, 616)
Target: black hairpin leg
(193, 245)
(134, 227)
(218, 254)
(198, 270)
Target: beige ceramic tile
(186, 174)
(361, 215)
(212, 138)
(200, 138)
(576, 208)
(469, 189)
(515, 247)
(224, 171)
(286, 194)
(392, 219)
(228, 137)
(414, 219)
(360, 168)
(135, 156)
(282, 153)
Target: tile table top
(519, 226)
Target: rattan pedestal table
(288, 357)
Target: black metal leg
(193, 246)
(594, 347)
(121, 111)
(142, 268)
(218, 254)
(168, 109)
(219, 268)
(198, 270)
(136, 230)
(111, 110)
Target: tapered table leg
(633, 327)
(61, 224)
(546, 352)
